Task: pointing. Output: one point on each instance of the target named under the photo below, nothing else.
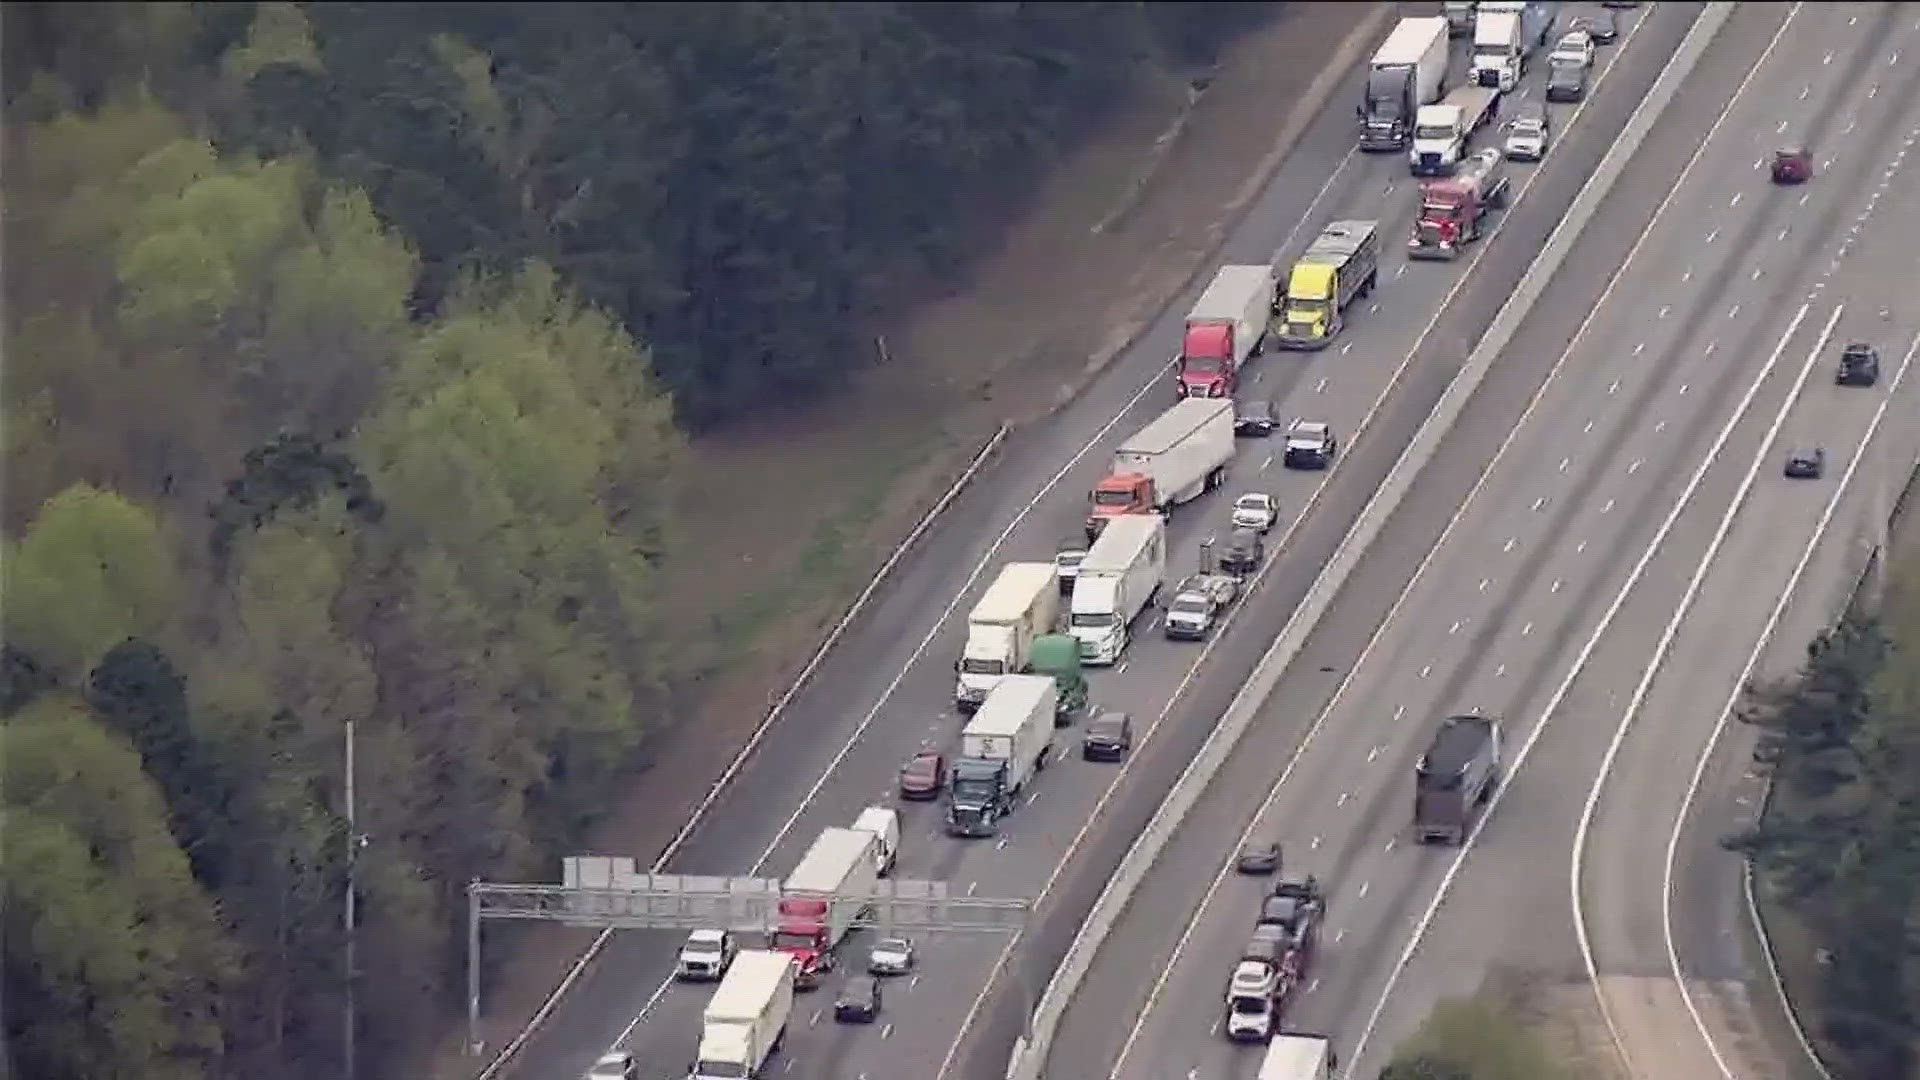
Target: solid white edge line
(1166, 971)
(1566, 685)
(1767, 629)
(1651, 672)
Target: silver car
(891, 956)
(1527, 138)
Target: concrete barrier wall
(1028, 1059)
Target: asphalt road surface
(887, 691)
(1679, 374)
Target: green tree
(93, 570)
(114, 960)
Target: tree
(1478, 1038)
(93, 570)
(114, 960)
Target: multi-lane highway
(887, 690)
(1555, 571)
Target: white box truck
(746, 1021)
(1182, 454)
(1408, 70)
(1022, 603)
(1226, 326)
(1117, 581)
(828, 889)
(884, 823)
(1001, 748)
(1298, 1057)
(1498, 55)
(1536, 18)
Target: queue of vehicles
(1020, 674)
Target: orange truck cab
(1117, 494)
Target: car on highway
(891, 956)
(1067, 557)
(1528, 133)
(1108, 737)
(1253, 416)
(1806, 463)
(1246, 550)
(1255, 510)
(1602, 26)
(1574, 47)
(1792, 165)
(1566, 82)
(1859, 365)
(859, 1001)
(924, 776)
(706, 956)
(1258, 857)
(1310, 445)
(614, 1066)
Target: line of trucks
(1407, 103)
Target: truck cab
(1453, 209)
(1206, 362)
(802, 933)
(1058, 657)
(978, 796)
(1498, 52)
(1116, 495)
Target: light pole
(349, 1034)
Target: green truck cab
(1058, 655)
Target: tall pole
(349, 1036)
(473, 967)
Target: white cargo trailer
(1408, 70)
(1183, 451)
(746, 1020)
(1015, 726)
(1022, 603)
(828, 889)
(1226, 326)
(1118, 579)
(1297, 1057)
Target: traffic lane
(1512, 879)
(1377, 748)
(1102, 990)
(1483, 684)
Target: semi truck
(1057, 656)
(822, 898)
(1536, 18)
(1001, 749)
(1340, 266)
(1022, 603)
(1455, 777)
(1227, 325)
(1296, 1056)
(1118, 580)
(1442, 133)
(1408, 70)
(1453, 209)
(1175, 459)
(1499, 55)
(746, 1020)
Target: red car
(924, 776)
(1792, 166)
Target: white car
(614, 1066)
(1527, 138)
(891, 956)
(706, 955)
(1255, 510)
(1575, 47)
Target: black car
(859, 1001)
(1258, 857)
(1601, 26)
(1107, 737)
(1253, 416)
(1245, 552)
(1859, 365)
(1807, 463)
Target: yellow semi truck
(1340, 266)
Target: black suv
(1806, 463)
(1859, 365)
(1253, 416)
(1107, 737)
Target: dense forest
(350, 349)
(1840, 844)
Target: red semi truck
(1226, 326)
(1454, 209)
(822, 897)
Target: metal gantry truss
(611, 893)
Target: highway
(1665, 385)
(887, 691)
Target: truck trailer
(1001, 749)
(1123, 572)
(1340, 266)
(1455, 777)
(826, 893)
(746, 1020)
(1178, 457)
(1408, 70)
(1227, 325)
(1443, 133)
(1298, 1057)
(1022, 604)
